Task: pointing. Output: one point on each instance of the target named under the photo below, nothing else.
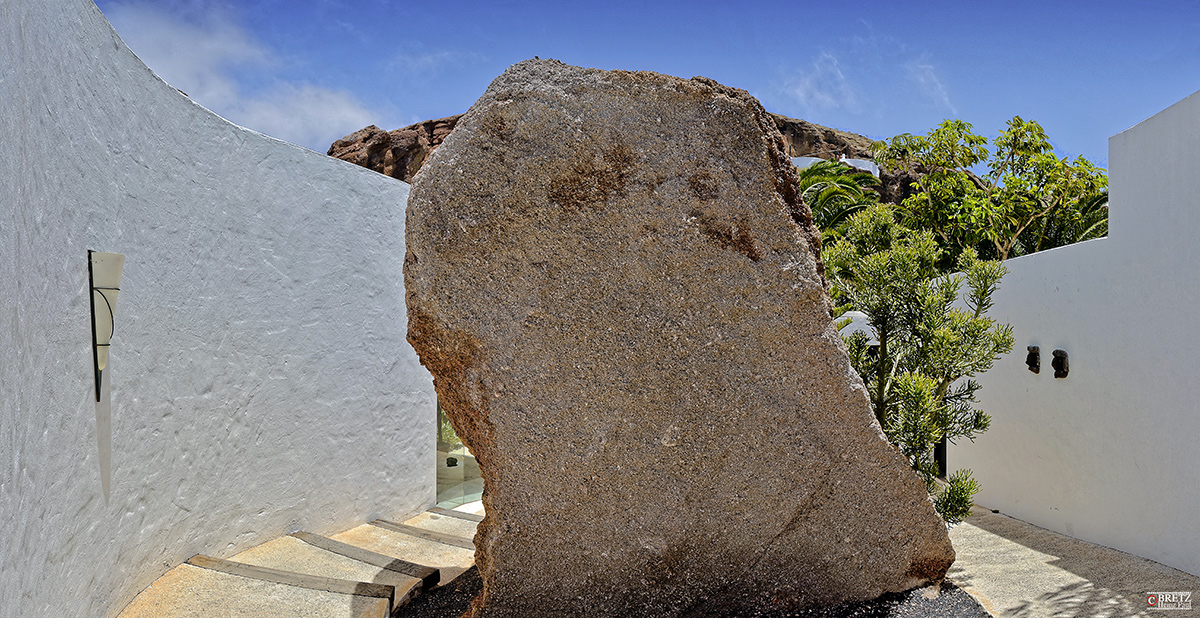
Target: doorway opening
(458, 478)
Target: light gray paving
(1018, 570)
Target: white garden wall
(1111, 453)
(260, 378)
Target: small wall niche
(1060, 364)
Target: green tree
(919, 373)
(834, 191)
(446, 436)
(1029, 199)
(1067, 226)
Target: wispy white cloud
(304, 114)
(868, 82)
(420, 62)
(415, 60)
(197, 57)
(823, 86)
(222, 66)
(925, 76)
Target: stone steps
(366, 572)
(452, 560)
(437, 510)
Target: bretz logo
(1169, 600)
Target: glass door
(458, 478)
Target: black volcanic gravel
(453, 599)
(449, 601)
(952, 602)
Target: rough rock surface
(399, 153)
(895, 187)
(805, 139)
(632, 335)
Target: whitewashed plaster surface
(1111, 453)
(260, 378)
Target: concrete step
(198, 590)
(474, 507)
(448, 530)
(293, 554)
(475, 517)
(365, 572)
(450, 559)
(428, 575)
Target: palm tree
(834, 191)
(1087, 220)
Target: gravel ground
(449, 601)
(951, 602)
(452, 600)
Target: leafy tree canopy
(1029, 199)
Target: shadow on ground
(1018, 570)
(454, 599)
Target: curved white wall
(1111, 453)
(260, 377)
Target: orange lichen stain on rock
(704, 186)
(593, 181)
(929, 570)
(493, 125)
(727, 235)
(451, 355)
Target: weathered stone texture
(399, 153)
(633, 336)
(805, 139)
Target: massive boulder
(620, 296)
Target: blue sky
(310, 71)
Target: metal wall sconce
(1034, 359)
(104, 277)
(1060, 364)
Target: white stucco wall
(260, 378)
(1110, 454)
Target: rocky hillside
(805, 139)
(397, 153)
(401, 152)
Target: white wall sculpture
(259, 380)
